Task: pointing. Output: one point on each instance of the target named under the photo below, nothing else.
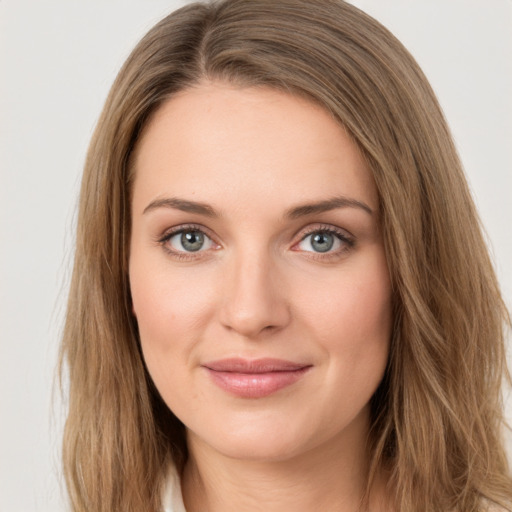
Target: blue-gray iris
(192, 240)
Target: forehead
(247, 143)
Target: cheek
(170, 306)
(354, 302)
(163, 318)
(167, 303)
(351, 319)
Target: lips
(254, 378)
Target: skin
(257, 288)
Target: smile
(254, 379)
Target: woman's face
(257, 272)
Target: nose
(254, 301)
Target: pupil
(322, 242)
(192, 240)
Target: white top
(173, 499)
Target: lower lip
(255, 385)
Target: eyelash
(347, 243)
(347, 240)
(183, 255)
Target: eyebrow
(296, 212)
(183, 205)
(327, 205)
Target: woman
(281, 297)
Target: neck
(328, 477)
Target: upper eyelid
(326, 228)
(170, 232)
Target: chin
(268, 448)
(250, 437)
(264, 437)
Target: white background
(57, 61)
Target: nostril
(254, 322)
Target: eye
(188, 240)
(323, 241)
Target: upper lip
(265, 365)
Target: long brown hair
(437, 416)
